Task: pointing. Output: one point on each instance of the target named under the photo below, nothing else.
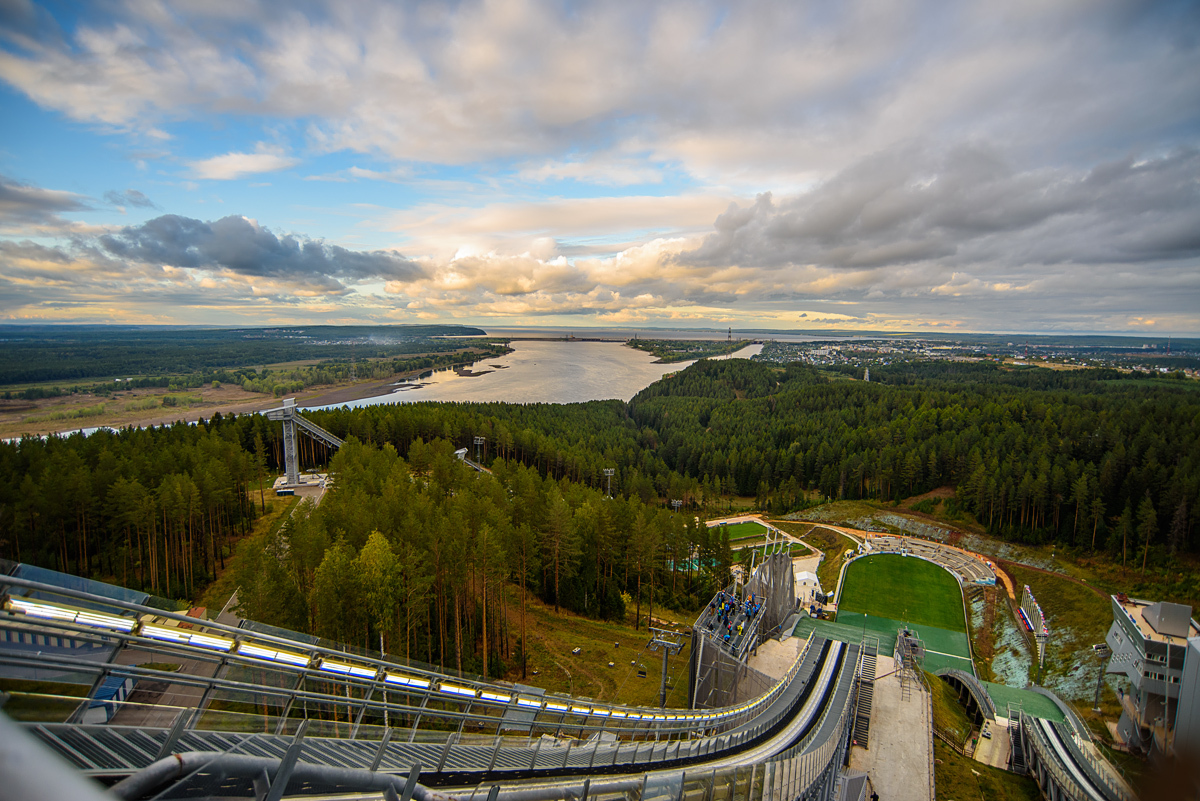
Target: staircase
(1017, 763)
(866, 692)
(968, 748)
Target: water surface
(543, 372)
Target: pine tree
(1147, 527)
(1177, 537)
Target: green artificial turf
(903, 588)
(1035, 704)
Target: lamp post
(479, 441)
(608, 473)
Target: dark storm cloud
(31, 204)
(130, 197)
(969, 206)
(242, 246)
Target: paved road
(995, 750)
(155, 704)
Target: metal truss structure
(293, 420)
(180, 706)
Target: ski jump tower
(291, 421)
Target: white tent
(807, 586)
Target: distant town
(1151, 358)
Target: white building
(807, 587)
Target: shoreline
(325, 395)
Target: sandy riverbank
(18, 418)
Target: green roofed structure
(1032, 703)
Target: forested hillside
(420, 549)
(1088, 459)
(1034, 455)
(414, 549)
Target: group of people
(726, 610)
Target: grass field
(888, 592)
(949, 716)
(796, 549)
(742, 531)
(900, 588)
(553, 638)
(961, 778)
(1078, 617)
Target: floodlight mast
(608, 473)
(669, 642)
(479, 443)
(676, 504)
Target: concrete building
(1149, 643)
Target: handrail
(815, 766)
(1101, 770)
(929, 725)
(1066, 783)
(670, 724)
(374, 667)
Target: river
(543, 372)
(555, 371)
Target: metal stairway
(866, 692)
(1017, 762)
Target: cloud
(129, 197)
(975, 165)
(968, 206)
(599, 170)
(911, 237)
(582, 226)
(22, 203)
(244, 248)
(238, 165)
(397, 175)
(735, 94)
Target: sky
(1018, 166)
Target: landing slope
(903, 588)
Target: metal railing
(252, 699)
(1048, 759)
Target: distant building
(1150, 642)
